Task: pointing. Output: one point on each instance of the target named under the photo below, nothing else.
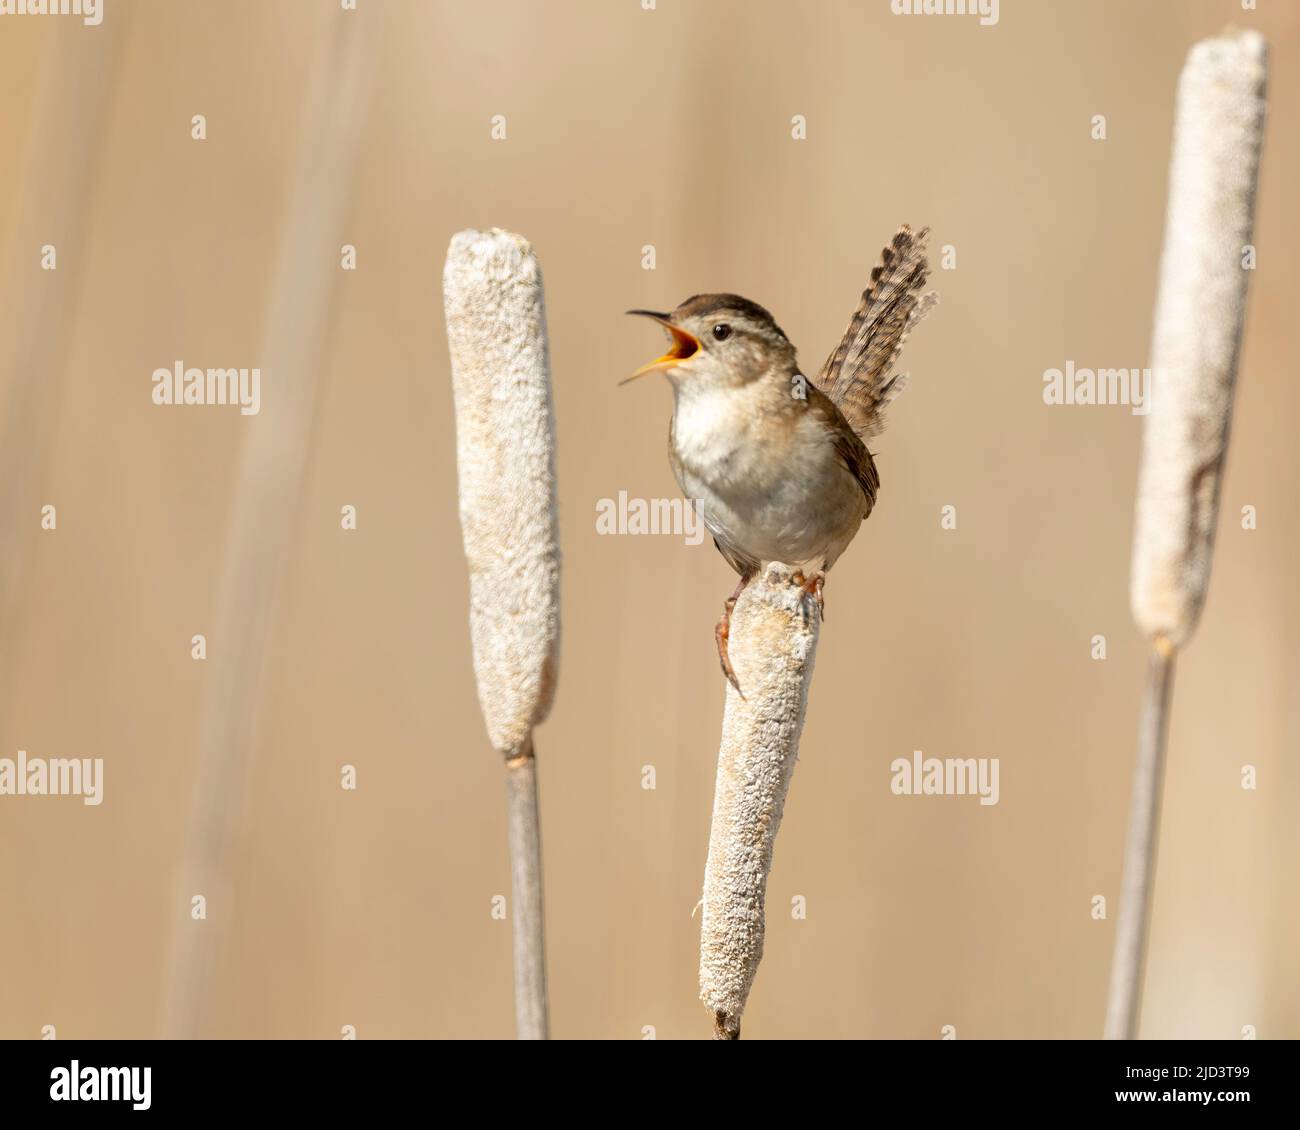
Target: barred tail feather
(859, 374)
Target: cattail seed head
(505, 440)
(773, 645)
(1199, 313)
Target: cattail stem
(505, 451)
(774, 630)
(1125, 1001)
(532, 1021)
(1200, 311)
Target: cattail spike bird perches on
(774, 651)
(1200, 309)
(781, 476)
(505, 439)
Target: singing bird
(777, 464)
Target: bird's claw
(722, 633)
(812, 586)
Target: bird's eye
(722, 331)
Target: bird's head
(719, 339)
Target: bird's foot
(812, 586)
(722, 633)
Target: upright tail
(859, 375)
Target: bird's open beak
(684, 345)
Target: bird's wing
(850, 450)
(859, 375)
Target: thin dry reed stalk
(56, 199)
(1200, 309)
(505, 437)
(267, 497)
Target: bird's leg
(723, 632)
(816, 584)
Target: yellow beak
(684, 345)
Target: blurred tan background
(625, 127)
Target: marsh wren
(776, 463)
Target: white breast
(787, 501)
